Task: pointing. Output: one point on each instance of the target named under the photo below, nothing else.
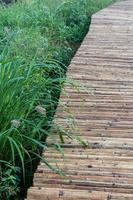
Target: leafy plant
(9, 181)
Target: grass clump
(37, 41)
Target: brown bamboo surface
(96, 106)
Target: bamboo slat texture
(97, 107)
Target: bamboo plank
(96, 105)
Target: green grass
(37, 41)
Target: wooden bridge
(97, 107)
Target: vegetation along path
(97, 108)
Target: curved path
(98, 107)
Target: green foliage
(37, 40)
(8, 181)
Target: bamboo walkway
(98, 107)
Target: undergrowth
(37, 41)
